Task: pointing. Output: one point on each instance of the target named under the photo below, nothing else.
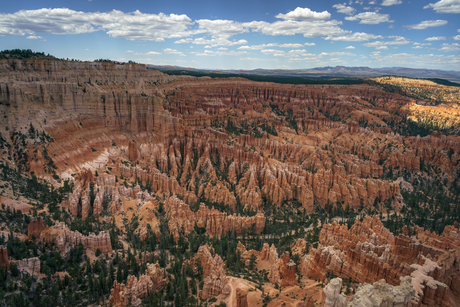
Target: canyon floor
(124, 186)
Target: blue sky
(240, 34)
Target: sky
(240, 34)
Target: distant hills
(337, 71)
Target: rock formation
(64, 239)
(216, 223)
(241, 298)
(333, 296)
(4, 257)
(131, 294)
(35, 228)
(157, 275)
(368, 252)
(29, 266)
(215, 280)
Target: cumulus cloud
(336, 54)
(132, 26)
(370, 18)
(427, 24)
(445, 6)
(457, 38)
(219, 53)
(153, 53)
(417, 60)
(355, 37)
(391, 2)
(310, 29)
(344, 9)
(450, 47)
(264, 46)
(34, 37)
(173, 51)
(397, 41)
(221, 28)
(436, 38)
(213, 42)
(350, 47)
(304, 14)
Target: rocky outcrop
(381, 294)
(299, 247)
(29, 266)
(157, 275)
(65, 239)
(241, 298)
(283, 271)
(216, 223)
(368, 252)
(333, 296)
(131, 294)
(4, 257)
(215, 279)
(35, 228)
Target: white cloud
(273, 52)
(344, 9)
(445, 6)
(373, 2)
(457, 38)
(213, 42)
(370, 18)
(309, 44)
(34, 37)
(153, 53)
(257, 59)
(417, 60)
(219, 53)
(129, 51)
(134, 26)
(173, 51)
(417, 47)
(310, 29)
(304, 14)
(436, 38)
(450, 47)
(350, 47)
(264, 46)
(221, 28)
(355, 37)
(391, 2)
(397, 41)
(427, 24)
(336, 54)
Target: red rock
(65, 239)
(35, 228)
(241, 298)
(4, 257)
(215, 279)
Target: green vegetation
(261, 78)
(21, 54)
